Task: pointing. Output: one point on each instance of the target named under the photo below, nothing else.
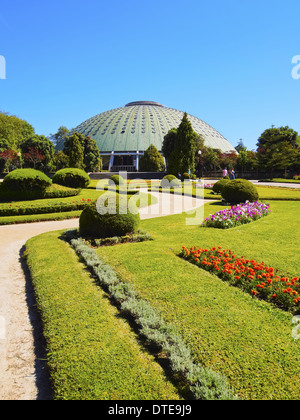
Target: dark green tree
(92, 157)
(152, 160)
(182, 158)
(91, 154)
(169, 144)
(73, 148)
(278, 148)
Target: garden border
(203, 382)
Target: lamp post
(199, 164)
(19, 159)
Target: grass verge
(92, 352)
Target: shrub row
(204, 383)
(134, 237)
(30, 184)
(58, 191)
(54, 191)
(47, 207)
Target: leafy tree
(14, 130)
(278, 148)
(228, 160)
(4, 145)
(152, 160)
(242, 159)
(59, 138)
(36, 147)
(33, 156)
(273, 136)
(73, 148)
(10, 158)
(252, 163)
(210, 159)
(61, 160)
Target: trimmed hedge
(239, 191)
(113, 223)
(116, 180)
(24, 184)
(170, 181)
(46, 208)
(59, 191)
(72, 178)
(219, 185)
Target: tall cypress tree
(74, 150)
(182, 158)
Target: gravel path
(23, 372)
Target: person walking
(232, 174)
(225, 172)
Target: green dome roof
(137, 125)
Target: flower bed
(256, 278)
(237, 215)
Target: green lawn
(92, 352)
(247, 340)
(287, 181)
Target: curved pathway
(23, 373)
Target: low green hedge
(48, 207)
(53, 191)
(72, 178)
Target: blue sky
(226, 62)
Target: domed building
(123, 134)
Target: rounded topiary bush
(186, 176)
(118, 221)
(239, 191)
(72, 178)
(25, 184)
(170, 181)
(219, 185)
(116, 180)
